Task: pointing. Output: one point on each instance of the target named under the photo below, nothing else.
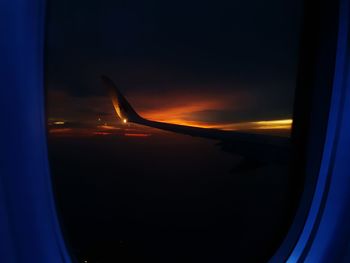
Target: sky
(219, 64)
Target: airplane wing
(257, 147)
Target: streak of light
(255, 125)
(60, 130)
(107, 127)
(137, 134)
(101, 133)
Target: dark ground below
(166, 199)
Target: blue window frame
(28, 222)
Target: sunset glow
(271, 124)
(139, 130)
(205, 110)
(183, 117)
(274, 124)
(193, 111)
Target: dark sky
(196, 61)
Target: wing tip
(123, 108)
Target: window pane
(180, 153)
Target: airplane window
(169, 127)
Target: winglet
(122, 107)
